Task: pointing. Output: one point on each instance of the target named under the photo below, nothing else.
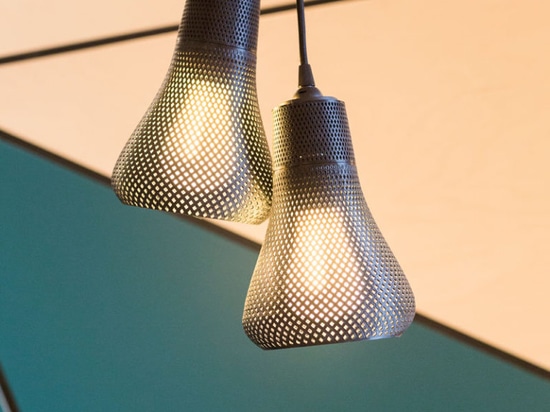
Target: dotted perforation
(325, 274)
(350, 286)
(201, 148)
(228, 22)
(319, 133)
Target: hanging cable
(302, 31)
(305, 78)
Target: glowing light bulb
(325, 274)
(200, 149)
(318, 262)
(199, 130)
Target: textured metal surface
(201, 149)
(325, 273)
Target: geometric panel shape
(104, 307)
(454, 130)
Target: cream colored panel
(448, 107)
(27, 25)
(448, 104)
(84, 105)
(32, 24)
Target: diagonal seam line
(482, 346)
(419, 318)
(132, 36)
(7, 400)
(85, 45)
(106, 180)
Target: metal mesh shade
(325, 273)
(201, 149)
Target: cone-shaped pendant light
(325, 274)
(201, 149)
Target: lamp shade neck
(311, 129)
(232, 23)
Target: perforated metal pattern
(325, 273)
(316, 132)
(201, 149)
(228, 22)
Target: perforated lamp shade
(325, 274)
(201, 149)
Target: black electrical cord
(305, 78)
(302, 31)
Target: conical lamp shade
(325, 273)
(201, 149)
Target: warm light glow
(319, 261)
(196, 134)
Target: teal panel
(105, 307)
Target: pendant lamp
(200, 149)
(325, 274)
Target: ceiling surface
(448, 105)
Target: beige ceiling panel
(27, 25)
(83, 105)
(448, 107)
(32, 24)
